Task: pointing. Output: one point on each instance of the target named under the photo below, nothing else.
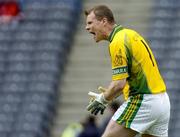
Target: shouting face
(95, 27)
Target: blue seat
(6, 117)
(5, 127)
(26, 35)
(42, 76)
(19, 66)
(13, 87)
(22, 46)
(161, 23)
(164, 38)
(32, 58)
(41, 87)
(16, 77)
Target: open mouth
(92, 33)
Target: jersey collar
(116, 29)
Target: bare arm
(115, 89)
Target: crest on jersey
(118, 59)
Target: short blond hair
(100, 12)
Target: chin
(98, 40)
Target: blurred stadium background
(48, 62)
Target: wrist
(104, 100)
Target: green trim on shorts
(130, 111)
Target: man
(135, 74)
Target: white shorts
(146, 114)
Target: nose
(87, 28)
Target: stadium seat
(32, 56)
(164, 39)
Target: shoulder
(123, 33)
(130, 32)
(131, 35)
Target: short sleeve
(118, 60)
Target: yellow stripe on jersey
(130, 111)
(132, 58)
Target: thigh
(115, 130)
(160, 126)
(146, 114)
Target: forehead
(91, 17)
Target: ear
(105, 21)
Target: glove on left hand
(98, 104)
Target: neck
(109, 29)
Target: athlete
(135, 74)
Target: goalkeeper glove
(98, 104)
